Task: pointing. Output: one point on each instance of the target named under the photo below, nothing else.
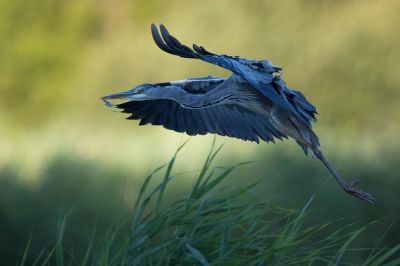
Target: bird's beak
(125, 95)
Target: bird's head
(142, 92)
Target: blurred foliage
(342, 54)
(41, 46)
(59, 57)
(67, 184)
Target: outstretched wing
(261, 74)
(225, 120)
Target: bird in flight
(251, 104)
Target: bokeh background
(61, 148)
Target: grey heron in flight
(251, 104)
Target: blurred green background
(60, 146)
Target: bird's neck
(195, 101)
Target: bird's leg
(348, 188)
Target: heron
(252, 104)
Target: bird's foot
(354, 182)
(358, 193)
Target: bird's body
(253, 103)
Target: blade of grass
(340, 252)
(26, 250)
(385, 256)
(197, 255)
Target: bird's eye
(141, 90)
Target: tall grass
(215, 225)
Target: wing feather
(232, 116)
(209, 126)
(171, 122)
(262, 132)
(199, 123)
(180, 121)
(138, 111)
(215, 124)
(226, 120)
(191, 128)
(261, 74)
(246, 127)
(149, 117)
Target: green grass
(216, 225)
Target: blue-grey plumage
(251, 104)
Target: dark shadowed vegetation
(213, 225)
